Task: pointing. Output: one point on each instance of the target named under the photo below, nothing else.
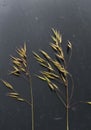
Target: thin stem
(65, 64)
(60, 98)
(25, 100)
(32, 102)
(70, 57)
(60, 92)
(32, 108)
(31, 91)
(72, 87)
(67, 107)
(67, 119)
(76, 103)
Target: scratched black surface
(31, 21)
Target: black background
(31, 21)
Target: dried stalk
(56, 70)
(21, 69)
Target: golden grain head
(88, 103)
(52, 86)
(16, 96)
(41, 77)
(38, 58)
(7, 84)
(43, 62)
(69, 45)
(50, 75)
(20, 62)
(22, 51)
(45, 55)
(58, 50)
(57, 38)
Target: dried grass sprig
(55, 73)
(20, 68)
(58, 71)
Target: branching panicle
(20, 68)
(58, 71)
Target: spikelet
(57, 38)
(19, 63)
(7, 84)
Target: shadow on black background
(31, 21)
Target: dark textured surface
(31, 21)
